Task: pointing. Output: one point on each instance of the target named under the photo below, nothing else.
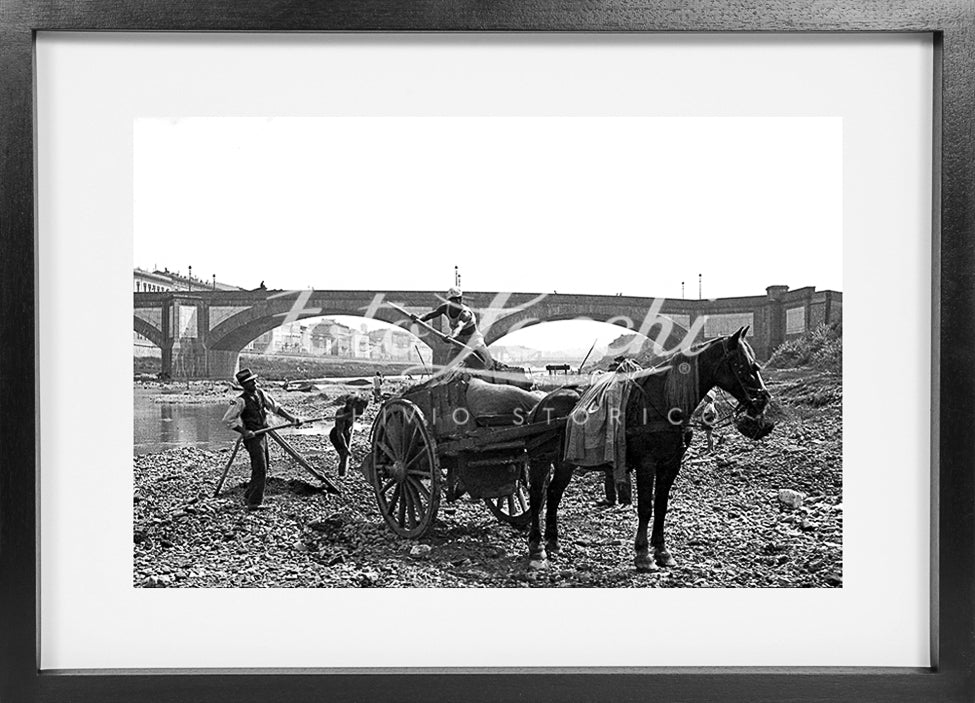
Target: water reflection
(162, 426)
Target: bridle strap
(750, 399)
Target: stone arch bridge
(201, 333)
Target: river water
(162, 426)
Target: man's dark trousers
(257, 448)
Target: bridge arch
(238, 330)
(148, 330)
(228, 338)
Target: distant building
(328, 337)
(157, 281)
(392, 344)
(151, 281)
(515, 354)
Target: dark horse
(660, 402)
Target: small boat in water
(302, 386)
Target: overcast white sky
(578, 204)
(606, 205)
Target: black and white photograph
(349, 344)
(487, 352)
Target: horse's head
(738, 373)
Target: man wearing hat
(463, 326)
(247, 414)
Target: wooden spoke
(397, 495)
(412, 461)
(402, 505)
(412, 441)
(413, 501)
(420, 488)
(415, 451)
(512, 509)
(392, 436)
(384, 448)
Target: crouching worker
(341, 434)
(247, 415)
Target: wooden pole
(226, 469)
(293, 453)
(421, 359)
(430, 328)
(287, 448)
(265, 430)
(587, 356)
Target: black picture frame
(952, 25)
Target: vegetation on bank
(821, 349)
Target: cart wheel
(406, 475)
(513, 509)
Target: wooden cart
(426, 442)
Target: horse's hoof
(644, 563)
(663, 558)
(537, 562)
(552, 547)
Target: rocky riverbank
(752, 514)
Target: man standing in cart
(463, 328)
(246, 415)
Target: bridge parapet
(201, 333)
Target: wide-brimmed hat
(455, 292)
(245, 375)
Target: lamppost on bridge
(214, 281)
(189, 280)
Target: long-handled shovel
(420, 356)
(579, 370)
(284, 445)
(293, 453)
(437, 333)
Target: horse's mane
(681, 377)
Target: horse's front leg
(537, 472)
(644, 509)
(665, 480)
(556, 487)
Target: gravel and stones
(752, 514)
